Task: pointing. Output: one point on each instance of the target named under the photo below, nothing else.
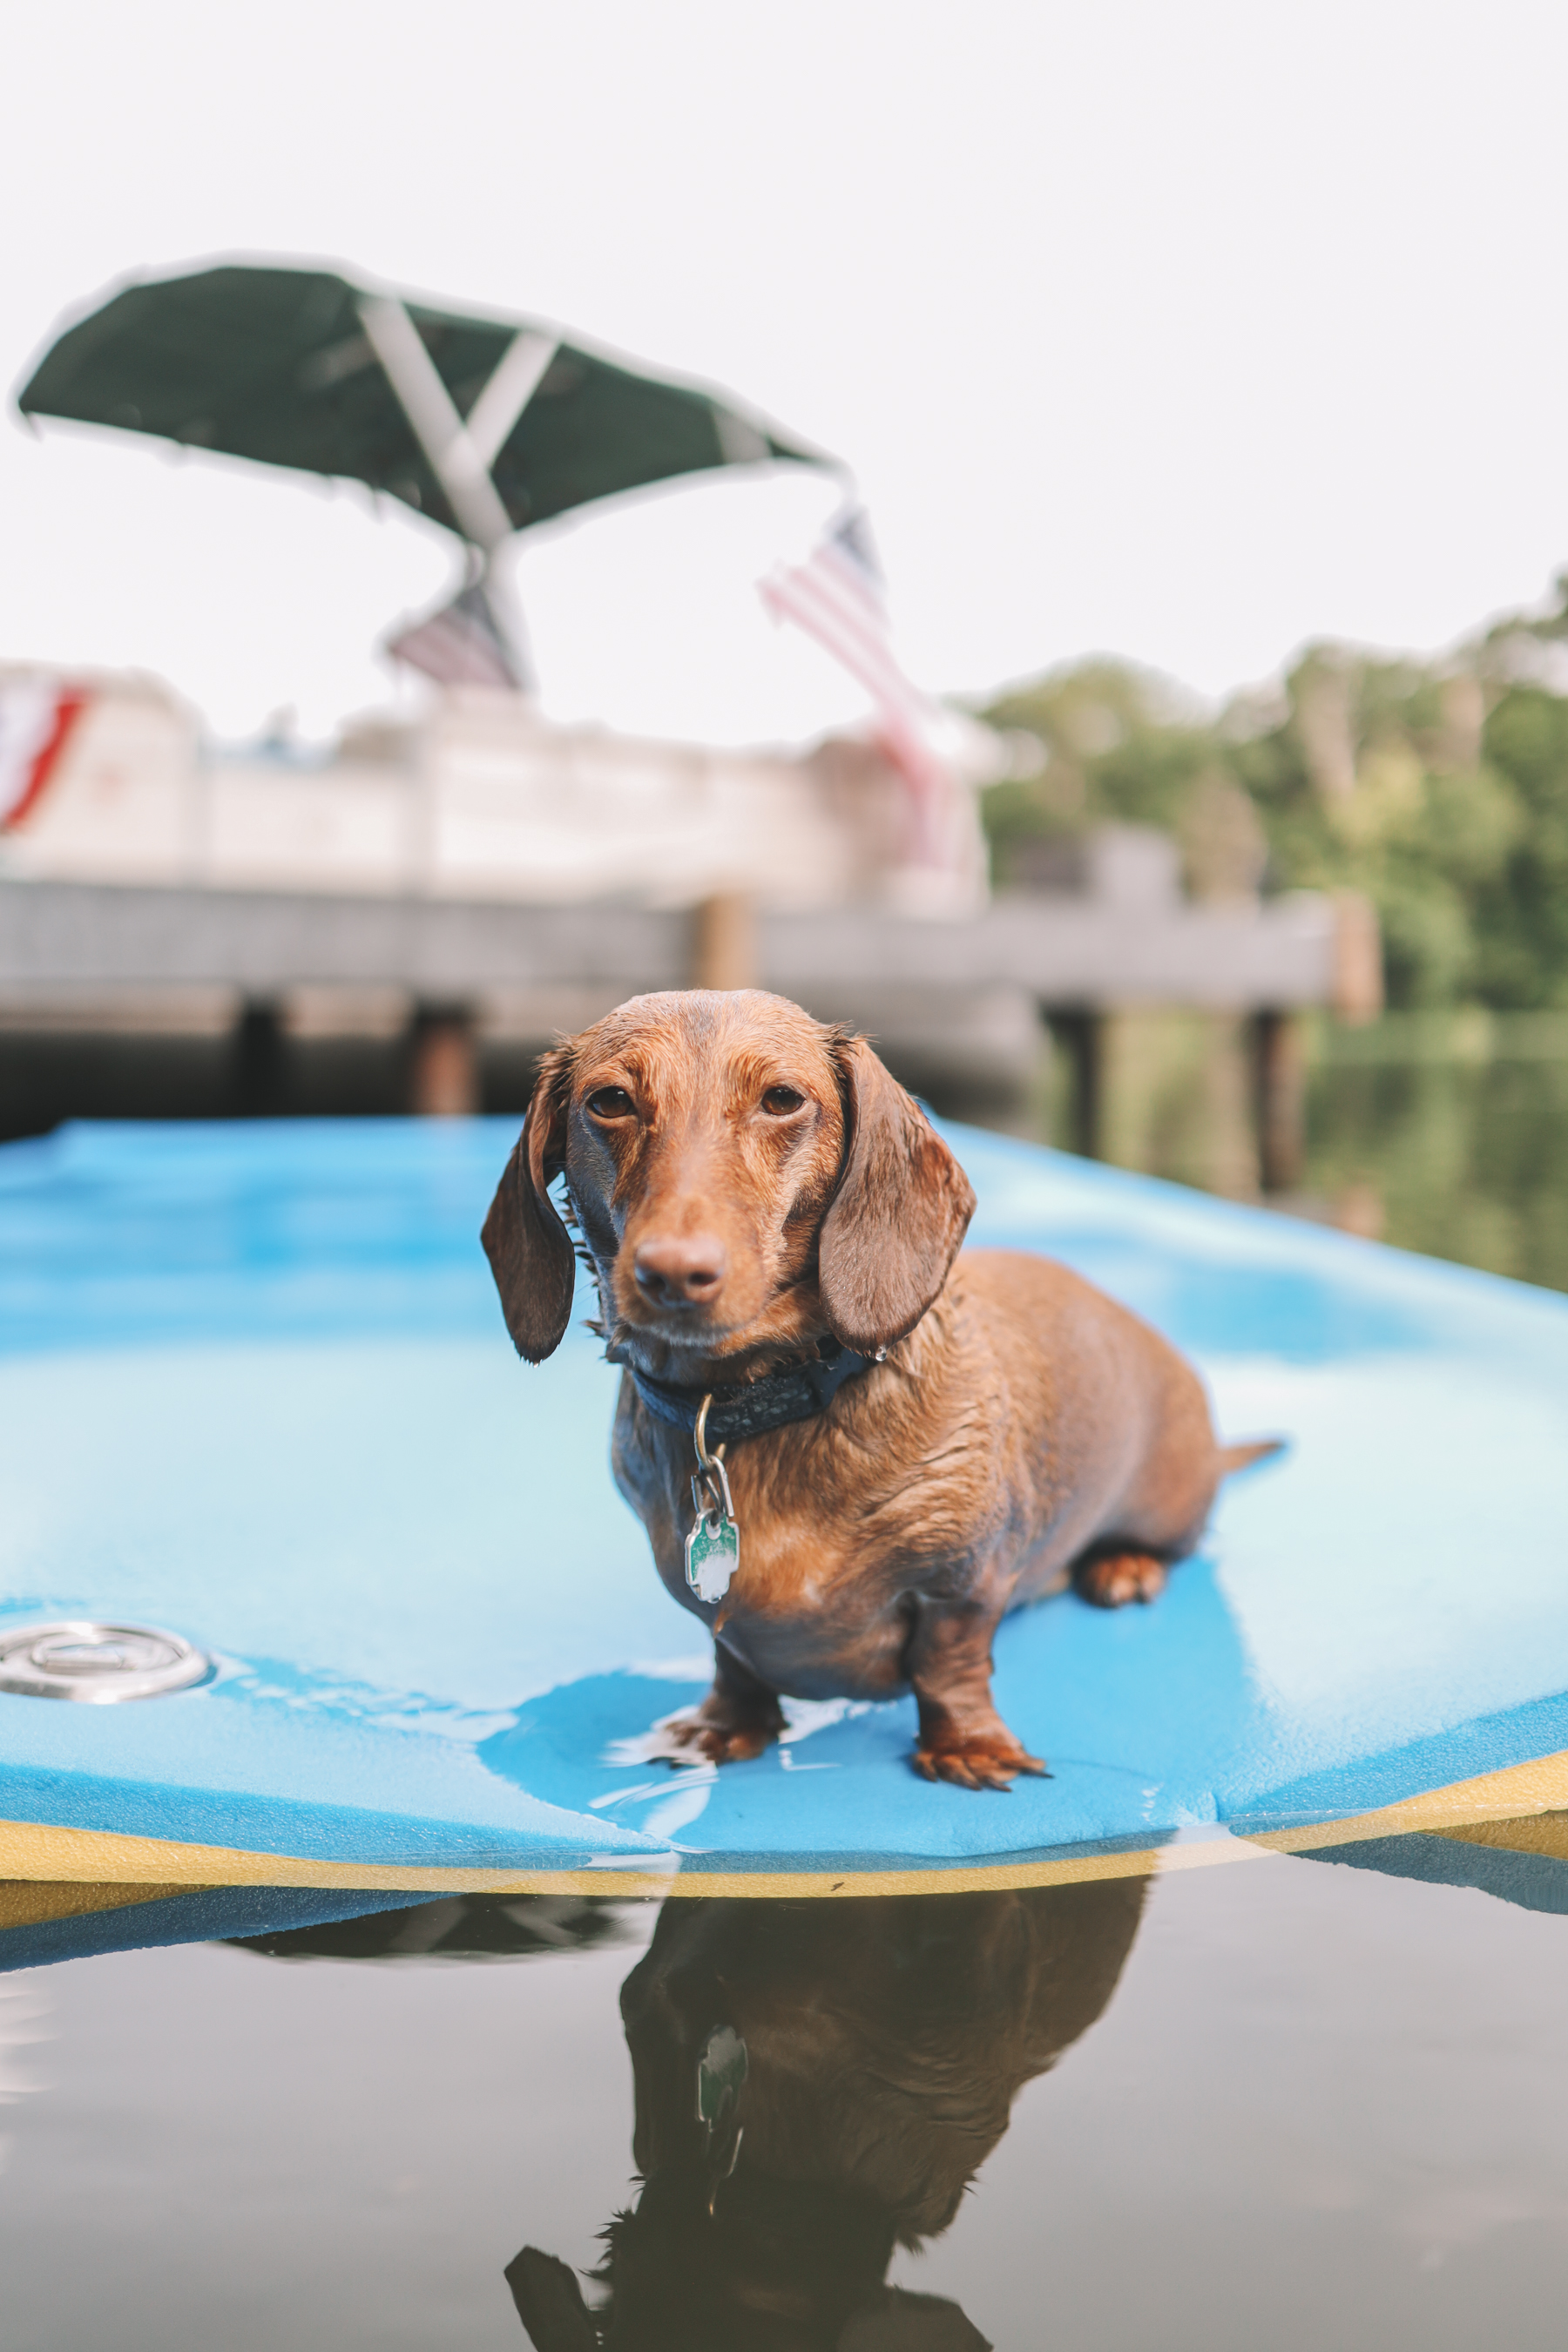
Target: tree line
(1439, 788)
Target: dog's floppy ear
(901, 1208)
(528, 1246)
(549, 2303)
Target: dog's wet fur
(748, 1183)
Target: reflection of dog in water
(816, 2084)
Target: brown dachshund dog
(916, 1446)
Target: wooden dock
(971, 991)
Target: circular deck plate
(99, 1664)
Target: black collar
(741, 1411)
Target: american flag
(837, 595)
(464, 644)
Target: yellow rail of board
(39, 1853)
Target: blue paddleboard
(255, 1390)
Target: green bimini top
(274, 363)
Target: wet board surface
(254, 1389)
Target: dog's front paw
(1126, 1576)
(704, 1735)
(977, 1760)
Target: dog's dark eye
(779, 1101)
(612, 1102)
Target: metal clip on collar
(710, 1480)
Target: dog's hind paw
(982, 1760)
(1126, 1576)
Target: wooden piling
(1279, 1096)
(1356, 988)
(443, 1063)
(724, 941)
(259, 1062)
(1077, 1032)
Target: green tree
(1441, 790)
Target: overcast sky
(1182, 330)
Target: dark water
(1278, 2102)
(1446, 1133)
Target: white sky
(1175, 328)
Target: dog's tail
(1242, 1457)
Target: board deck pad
(254, 1390)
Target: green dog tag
(712, 1555)
(721, 2077)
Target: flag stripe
(811, 602)
(45, 731)
(801, 598)
(839, 608)
(462, 644)
(834, 598)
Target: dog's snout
(680, 1272)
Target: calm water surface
(1446, 1133)
(1463, 1162)
(1284, 2103)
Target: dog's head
(745, 1180)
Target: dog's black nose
(685, 1273)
